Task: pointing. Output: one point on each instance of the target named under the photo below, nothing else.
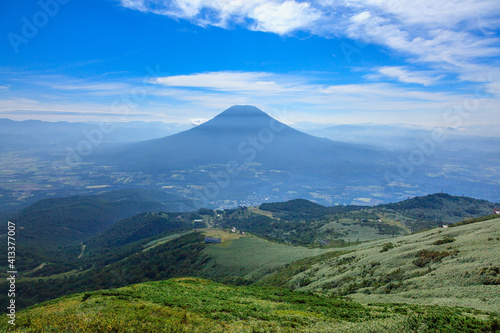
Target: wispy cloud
(378, 102)
(101, 87)
(407, 76)
(255, 82)
(447, 35)
(281, 17)
(181, 98)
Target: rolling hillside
(456, 266)
(239, 259)
(159, 245)
(58, 231)
(197, 305)
(440, 207)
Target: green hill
(60, 221)
(239, 259)
(197, 305)
(457, 266)
(139, 227)
(304, 222)
(246, 259)
(51, 230)
(429, 210)
(301, 222)
(181, 256)
(440, 266)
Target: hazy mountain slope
(45, 135)
(246, 134)
(457, 266)
(197, 305)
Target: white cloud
(280, 17)
(102, 87)
(197, 121)
(256, 82)
(283, 18)
(348, 103)
(202, 95)
(447, 35)
(404, 75)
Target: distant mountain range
(36, 134)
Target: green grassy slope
(249, 258)
(239, 259)
(457, 266)
(180, 256)
(196, 305)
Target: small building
(212, 240)
(198, 221)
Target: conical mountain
(241, 134)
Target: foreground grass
(197, 305)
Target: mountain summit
(238, 118)
(242, 111)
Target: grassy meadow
(247, 258)
(457, 266)
(198, 305)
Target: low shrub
(426, 256)
(444, 241)
(386, 247)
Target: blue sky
(422, 62)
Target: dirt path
(83, 250)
